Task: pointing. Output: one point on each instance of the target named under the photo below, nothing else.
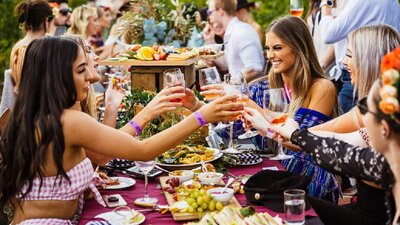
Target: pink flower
(390, 77)
(388, 91)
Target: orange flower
(389, 105)
(388, 62)
(390, 76)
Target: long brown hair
(293, 32)
(32, 14)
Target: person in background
(62, 15)
(105, 19)
(244, 14)
(84, 21)
(353, 15)
(243, 51)
(33, 15)
(325, 52)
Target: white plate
(124, 182)
(217, 155)
(116, 219)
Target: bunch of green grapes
(200, 201)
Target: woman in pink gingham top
(44, 170)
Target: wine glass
(234, 86)
(211, 76)
(276, 102)
(249, 133)
(145, 167)
(172, 78)
(296, 8)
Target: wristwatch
(328, 3)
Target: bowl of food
(224, 197)
(214, 47)
(210, 178)
(182, 175)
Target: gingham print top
(81, 177)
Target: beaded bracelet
(200, 118)
(136, 126)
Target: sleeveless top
(59, 188)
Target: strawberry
(163, 56)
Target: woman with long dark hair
(44, 169)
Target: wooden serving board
(135, 62)
(189, 216)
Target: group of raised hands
(223, 108)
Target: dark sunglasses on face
(65, 12)
(363, 107)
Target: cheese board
(180, 216)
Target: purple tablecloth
(92, 208)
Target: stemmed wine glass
(146, 167)
(211, 76)
(275, 101)
(172, 78)
(234, 86)
(249, 133)
(296, 8)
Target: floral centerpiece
(153, 22)
(390, 68)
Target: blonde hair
(229, 6)
(370, 44)
(306, 65)
(80, 20)
(89, 104)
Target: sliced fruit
(135, 47)
(156, 56)
(145, 53)
(163, 56)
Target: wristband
(136, 126)
(200, 118)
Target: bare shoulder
(322, 85)
(72, 117)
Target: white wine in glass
(211, 76)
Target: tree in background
(9, 32)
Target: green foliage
(9, 33)
(75, 3)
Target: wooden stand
(147, 75)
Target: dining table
(93, 208)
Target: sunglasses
(211, 11)
(65, 12)
(363, 107)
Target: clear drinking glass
(275, 101)
(296, 8)
(249, 133)
(172, 78)
(211, 76)
(145, 167)
(234, 87)
(294, 206)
